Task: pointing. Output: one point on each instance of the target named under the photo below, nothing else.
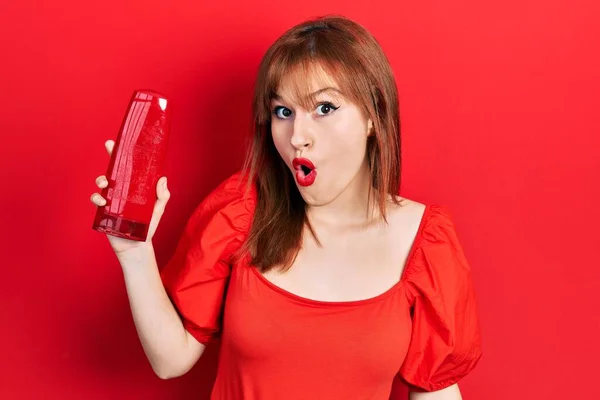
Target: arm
(171, 350)
(445, 343)
(449, 393)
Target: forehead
(303, 82)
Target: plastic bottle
(136, 164)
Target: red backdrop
(499, 105)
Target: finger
(101, 182)
(109, 145)
(162, 190)
(98, 200)
(163, 194)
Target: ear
(369, 127)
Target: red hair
(347, 51)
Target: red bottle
(135, 166)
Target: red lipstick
(305, 171)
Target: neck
(355, 206)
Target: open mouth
(306, 172)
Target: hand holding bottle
(119, 244)
(134, 192)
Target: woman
(318, 279)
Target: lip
(302, 178)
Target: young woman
(318, 279)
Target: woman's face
(324, 147)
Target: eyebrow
(313, 94)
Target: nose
(303, 135)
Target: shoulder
(230, 205)
(431, 230)
(235, 192)
(407, 210)
(235, 187)
(426, 218)
(437, 249)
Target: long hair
(348, 52)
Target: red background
(499, 105)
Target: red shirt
(276, 345)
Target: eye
(326, 108)
(282, 112)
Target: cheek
(348, 140)
(279, 135)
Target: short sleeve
(445, 342)
(196, 277)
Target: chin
(316, 202)
(316, 196)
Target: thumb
(162, 191)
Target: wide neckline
(324, 303)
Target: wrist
(137, 254)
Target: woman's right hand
(121, 245)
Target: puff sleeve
(196, 277)
(445, 342)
